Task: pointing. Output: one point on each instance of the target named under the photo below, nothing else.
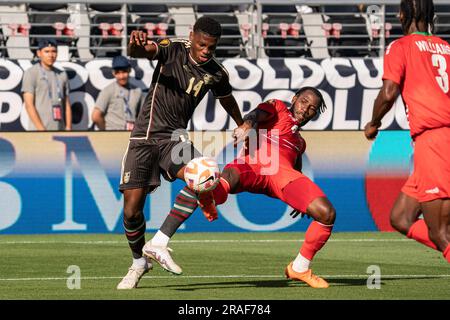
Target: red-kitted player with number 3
(417, 66)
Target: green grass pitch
(236, 266)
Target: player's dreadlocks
(209, 26)
(419, 10)
(322, 105)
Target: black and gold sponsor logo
(126, 177)
(164, 43)
(208, 79)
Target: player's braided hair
(209, 26)
(322, 105)
(418, 10)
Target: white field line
(201, 241)
(240, 276)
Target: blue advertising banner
(68, 182)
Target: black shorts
(145, 160)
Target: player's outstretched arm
(231, 107)
(140, 47)
(250, 120)
(383, 103)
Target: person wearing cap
(46, 92)
(118, 103)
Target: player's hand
(138, 38)
(241, 133)
(371, 130)
(294, 214)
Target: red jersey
(420, 64)
(280, 130)
(269, 166)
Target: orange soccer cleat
(208, 205)
(307, 276)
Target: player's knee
(132, 213)
(399, 224)
(399, 220)
(134, 200)
(325, 212)
(329, 215)
(396, 220)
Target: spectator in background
(46, 91)
(118, 104)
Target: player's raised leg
(305, 196)
(228, 183)
(430, 179)
(134, 225)
(185, 204)
(157, 248)
(437, 218)
(183, 207)
(404, 218)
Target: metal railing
(251, 30)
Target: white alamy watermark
(74, 280)
(374, 279)
(261, 147)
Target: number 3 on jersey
(440, 62)
(196, 88)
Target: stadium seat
(391, 19)
(270, 9)
(49, 20)
(348, 30)
(282, 27)
(392, 28)
(106, 29)
(154, 19)
(19, 29)
(288, 30)
(442, 25)
(231, 43)
(376, 30)
(15, 28)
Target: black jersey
(178, 86)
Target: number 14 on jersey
(196, 88)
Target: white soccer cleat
(131, 280)
(162, 256)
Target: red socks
(446, 253)
(221, 191)
(419, 232)
(315, 238)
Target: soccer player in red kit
(273, 167)
(417, 66)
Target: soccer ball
(202, 174)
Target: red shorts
(430, 179)
(253, 180)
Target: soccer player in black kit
(186, 71)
